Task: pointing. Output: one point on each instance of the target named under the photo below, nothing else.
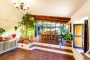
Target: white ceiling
(62, 8)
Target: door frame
(78, 36)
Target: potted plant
(68, 38)
(27, 26)
(1, 32)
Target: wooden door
(78, 35)
(86, 36)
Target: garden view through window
(53, 26)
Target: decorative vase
(13, 35)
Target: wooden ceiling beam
(51, 18)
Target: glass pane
(44, 23)
(39, 23)
(58, 25)
(78, 30)
(52, 23)
(63, 29)
(58, 31)
(67, 27)
(48, 26)
(52, 29)
(78, 41)
(53, 26)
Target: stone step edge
(52, 45)
(48, 47)
(52, 50)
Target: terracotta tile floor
(47, 41)
(21, 54)
(38, 39)
(56, 42)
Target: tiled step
(53, 45)
(54, 48)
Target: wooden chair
(43, 36)
(53, 37)
(48, 35)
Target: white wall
(84, 11)
(9, 17)
(81, 13)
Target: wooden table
(85, 57)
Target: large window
(53, 26)
(58, 30)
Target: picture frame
(88, 53)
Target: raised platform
(46, 47)
(25, 46)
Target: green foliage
(1, 31)
(27, 25)
(27, 21)
(68, 36)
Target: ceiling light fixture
(22, 5)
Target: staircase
(52, 48)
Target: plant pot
(26, 41)
(1, 38)
(68, 43)
(21, 40)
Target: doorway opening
(81, 36)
